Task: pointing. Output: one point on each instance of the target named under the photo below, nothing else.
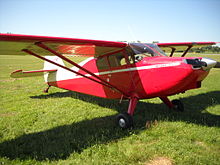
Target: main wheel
(178, 105)
(124, 120)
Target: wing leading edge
(13, 44)
(182, 46)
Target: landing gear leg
(47, 89)
(176, 105)
(125, 120)
(167, 102)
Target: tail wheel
(178, 105)
(124, 120)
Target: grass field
(65, 127)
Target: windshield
(147, 49)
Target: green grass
(65, 127)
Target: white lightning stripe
(70, 75)
(139, 68)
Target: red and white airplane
(113, 70)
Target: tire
(178, 105)
(124, 120)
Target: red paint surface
(146, 83)
(87, 50)
(184, 44)
(35, 38)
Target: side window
(113, 61)
(102, 63)
(131, 56)
(117, 60)
(123, 61)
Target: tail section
(61, 74)
(49, 66)
(52, 76)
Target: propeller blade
(217, 65)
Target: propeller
(217, 65)
(204, 63)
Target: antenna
(131, 33)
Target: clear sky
(124, 20)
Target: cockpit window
(146, 49)
(112, 61)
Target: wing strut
(64, 67)
(189, 47)
(173, 50)
(103, 82)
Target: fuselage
(150, 77)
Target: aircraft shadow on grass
(58, 143)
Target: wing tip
(15, 73)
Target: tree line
(206, 49)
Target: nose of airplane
(204, 63)
(210, 63)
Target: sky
(114, 20)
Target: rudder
(48, 77)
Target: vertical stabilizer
(50, 77)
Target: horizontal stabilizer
(34, 73)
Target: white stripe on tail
(61, 74)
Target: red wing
(13, 44)
(185, 44)
(182, 46)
